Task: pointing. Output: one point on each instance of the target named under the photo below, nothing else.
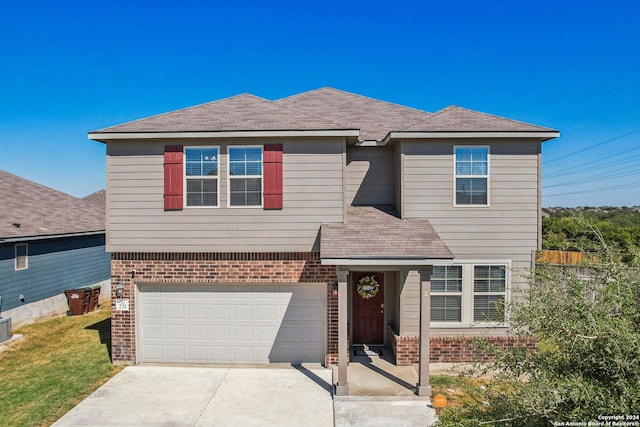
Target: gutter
(49, 236)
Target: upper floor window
(245, 176)
(472, 176)
(22, 256)
(201, 170)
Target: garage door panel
(174, 352)
(219, 333)
(292, 313)
(173, 311)
(196, 311)
(312, 313)
(242, 312)
(197, 333)
(241, 333)
(173, 332)
(219, 312)
(232, 323)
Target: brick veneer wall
(130, 268)
(449, 349)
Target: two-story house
(254, 231)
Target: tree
(588, 359)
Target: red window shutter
(173, 178)
(272, 159)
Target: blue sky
(70, 67)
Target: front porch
(383, 265)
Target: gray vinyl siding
(137, 222)
(370, 176)
(506, 230)
(54, 266)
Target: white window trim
(229, 178)
(26, 257)
(487, 176)
(468, 294)
(184, 174)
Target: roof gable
(374, 118)
(237, 113)
(41, 211)
(458, 119)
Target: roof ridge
(440, 111)
(357, 95)
(183, 109)
(341, 125)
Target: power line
(592, 190)
(595, 146)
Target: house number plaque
(122, 305)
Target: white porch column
(423, 388)
(342, 387)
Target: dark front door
(368, 308)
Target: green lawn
(57, 364)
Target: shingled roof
(30, 209)
(324, 109)
(458, 119)
(237, 113)
(378, 232)
(373, 117)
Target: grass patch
(56, 365)
(460, 391)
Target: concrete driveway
(199, 396)
(206, 396)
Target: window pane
(471, 191)
(202, 192)
(463, 168)
(253, 154)
(21, 250)
(488, 308)
(253, 168)
(245, 192)
(478, 169)
(446, 308)
(489, 278)
(446, 278)
(201, 161)
(463, 154)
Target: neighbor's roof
(378, 232)
(30, 209)
(321, 109)
(99, 198)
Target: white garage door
(231, 323)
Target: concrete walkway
(199, 396)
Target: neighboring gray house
(49, 241)
(254, 231)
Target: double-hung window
(201, 171)
(245, 176)
(22, 256)
(472, 176)
(467, 294)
